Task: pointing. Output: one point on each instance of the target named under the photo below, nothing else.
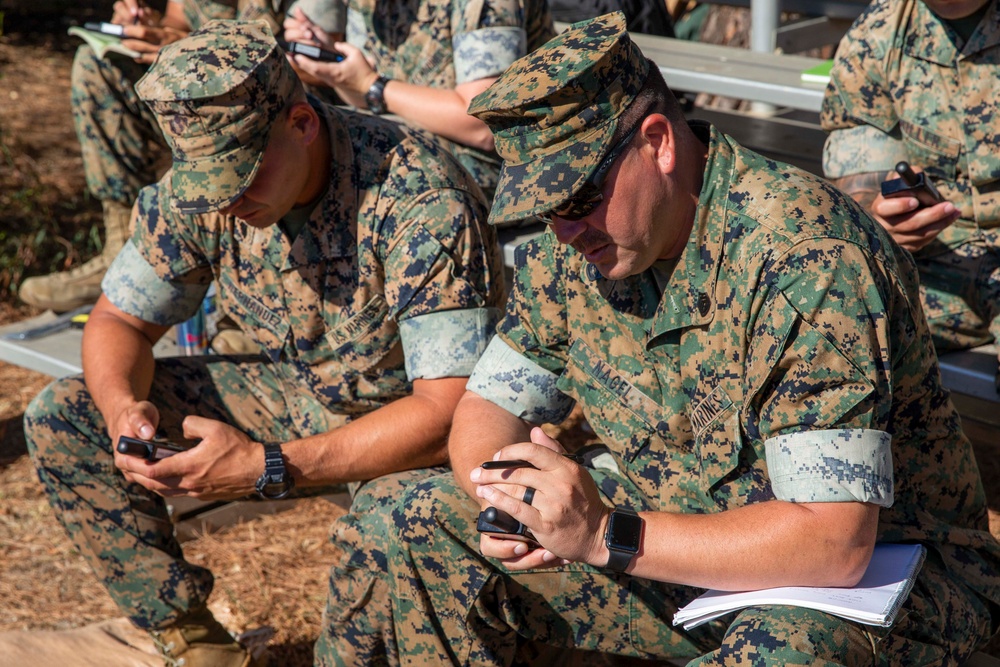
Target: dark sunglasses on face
(591, 193)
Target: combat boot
(230, 339)
(198, 640)
(82, 285)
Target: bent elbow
(852, 566)
(482, 139)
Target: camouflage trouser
(452, 605)
(960, 291)
(122, 146)
(121, 528)
(357, 624)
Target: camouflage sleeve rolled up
(521, 366)
(518, 385)
(817, 368)
(132, 285)
(861, 149)
(446, 343)
(831, 466)
(486, 45)
(858, 109)
(164, 270)
(535, 320)
(437, 253)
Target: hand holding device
(512, 464)
(151, 450)
(911, 184)
(498, 523)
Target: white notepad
(874, 601)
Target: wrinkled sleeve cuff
(518, 385)
(446, 343)
(861, 149)
(132, 285)
(843, 465)
(487, 52)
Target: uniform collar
(332, 227)
(689, 299)
(931, 39)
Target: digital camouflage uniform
(785, 356)
(443, 44)
(393, 278)
(906, 86)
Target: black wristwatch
(276, 482)
(623, 537)
(375, 97)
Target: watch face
(624, 532)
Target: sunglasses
(591, 193)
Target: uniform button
(703, 304)
(591, 272)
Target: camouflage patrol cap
(215, 95)
(554, 112)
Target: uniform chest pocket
(716, 424)
(625, 418)
(937, 154)
(367, 337)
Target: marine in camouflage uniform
(123, 149)
(444, 44)
(768, 359)
(363, 300)
(909, 85)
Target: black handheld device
(106, 28)
(151, 450)
(500, 524)
(511, 464)
(310, 51)
(911, 184)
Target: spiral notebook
(874, 601)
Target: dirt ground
(271, 571)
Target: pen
(511, 464)
(106, 28)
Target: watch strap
(275, 474)
(375, 97)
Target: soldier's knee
(436, 506)
(52, 412)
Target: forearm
(408, 433)
(439, 110)
(173, 17)
(117, 360)
(763, 545)
(863, 188)
(480, 429)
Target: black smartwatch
(276, 482)
(623, 537)
(375, 97)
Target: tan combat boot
(231, 340)
(82, 285)
(198, 640)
